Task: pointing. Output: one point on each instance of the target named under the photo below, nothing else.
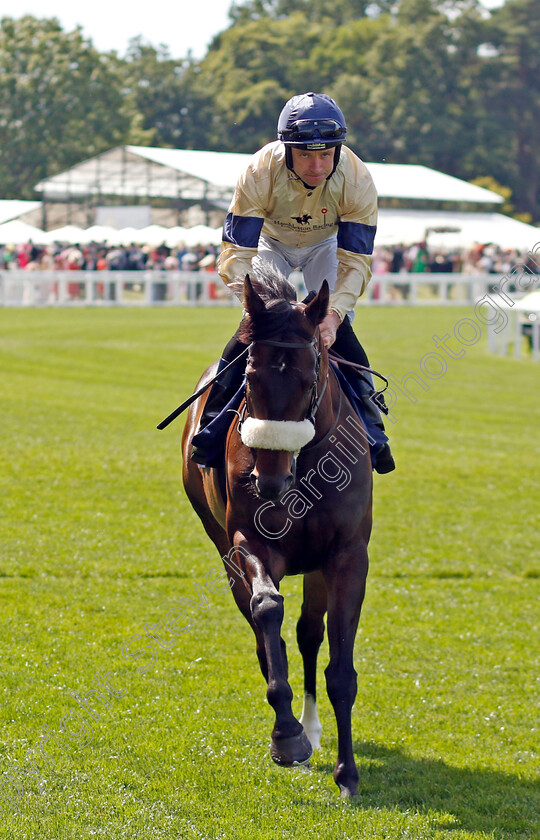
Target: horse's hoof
(291, 752)
(349, 792)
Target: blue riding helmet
(311, 121)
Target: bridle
(316, 395)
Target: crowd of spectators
(97, 256)
(480, 259)
(418, 258)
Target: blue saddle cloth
(212, 438)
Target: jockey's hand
(328, 328)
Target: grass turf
(99, 543)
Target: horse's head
(286, 365)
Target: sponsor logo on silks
(302, 220)
(304, 228)
(311, 146)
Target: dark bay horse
(296, 499)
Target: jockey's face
(313, 167)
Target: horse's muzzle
(273, 475)
(271, 487)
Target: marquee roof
(451, 229)
(444, 230)
(140, 171)
(13, 208)
(403, 180)
(132, 171)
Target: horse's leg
(289, 744)
(241, 592)
(242, 596)
(310, 633)
(346, 581)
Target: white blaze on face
(283, 435)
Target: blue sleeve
(242, 230)
(356, 237)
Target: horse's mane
(277, 294)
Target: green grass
(97, 540)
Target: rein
(339, 360)
(177, 411)
(289, 345)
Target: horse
(295, 498)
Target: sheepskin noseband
(286, 435)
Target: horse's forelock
(279, 316)
(269, 283)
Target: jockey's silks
(271, 199)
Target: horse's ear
(316, 310)
(253, 302)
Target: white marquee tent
(454, 230)
(69, 233)
(445, 230)
(208, 178)
(16, 232)
(192, 175)
(14, 208)
(529, 303)
(201, 234)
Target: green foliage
(489, 183)
(333, 13)
(415, 79)
(514, 97)
(60, 101)
(415, 96)
(438, 82)
(249, 72)
(176, 110)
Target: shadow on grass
(478, 800)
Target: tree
(437, 82)
(60, 102)
(333, 12)
(252, 69)
(514, 98)
(175, 109)
(416, 102)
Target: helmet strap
(288, 158)
(336, 158)
(289, 163)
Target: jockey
(305, 201)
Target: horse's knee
(266, 608)
(309, 633)
(341, 684)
